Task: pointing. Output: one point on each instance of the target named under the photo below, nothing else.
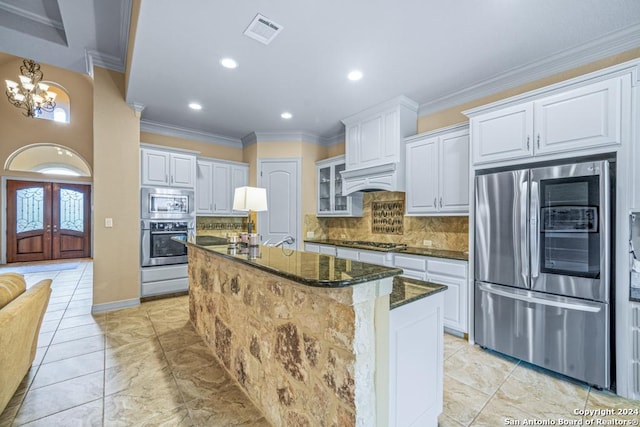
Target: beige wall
(205, 149)
(17, 130)
(452, 116)
(335, 149)
(116, 185)
(309, 153)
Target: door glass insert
(29, 209)
(569, 232)
(324, 190)
(71, 210)
(340, 201)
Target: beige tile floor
(146, 366)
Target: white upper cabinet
(162, 168)
(204, 187)
(438, 172)
(331, 201)
(503, 134)
(217, 181)
(579, 119)
(374, 145)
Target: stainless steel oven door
(166, 203)
(570, 230)
(159, 248)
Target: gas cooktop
(377, 245)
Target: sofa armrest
(20, 322)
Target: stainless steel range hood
(375, 148)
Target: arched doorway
(48, 219)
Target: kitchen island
(305, 335)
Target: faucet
(289, 240)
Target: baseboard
(116, 305)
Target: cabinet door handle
(528, 144)
(440, 201)
(435, 202)
(538, 141)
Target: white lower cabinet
(165, 279)
(416, 347)
(320, 249)
(452, 273)
(370, 257)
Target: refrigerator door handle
(524, 250)
(484, 287)
(534, 228)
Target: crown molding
(291, 136)
(612, 44)
(112, 62)
(181, 132)
(14, 10)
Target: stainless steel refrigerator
(542, 267)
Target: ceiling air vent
(263, 29)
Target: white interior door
(281, 178)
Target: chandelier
(30, 93)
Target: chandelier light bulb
(30, 94)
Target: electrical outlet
(108, 222)
(427, 243)
(310, 234)
(343, 236)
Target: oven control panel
(169, 226)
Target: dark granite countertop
(406, 290)
(437, 253)
(307, 268)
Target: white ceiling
(439, 53)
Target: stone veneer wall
(304, 355)
(445, 232)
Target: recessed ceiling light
(195, 106)
(228, 63)
(286, 115)
(355, 75)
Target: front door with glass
(47, 221)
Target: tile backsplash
(444, 232)
(219, 226)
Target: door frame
(298, 163)
(43, 178)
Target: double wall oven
(165, 214)
(543, 267)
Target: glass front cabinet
(331, 201)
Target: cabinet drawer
(410, 262)
(347, 253)
(413, 274)
(448, 268)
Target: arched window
(62, 111)
(50, 159)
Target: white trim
(116, 305)
(298, 162)
(181, 132)
(598, 75)
(168, 149)
(14, 10)
(137, 107)
(104, 60)
(398, 101)
(614, 43)
(125, 23)
(291, 136)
